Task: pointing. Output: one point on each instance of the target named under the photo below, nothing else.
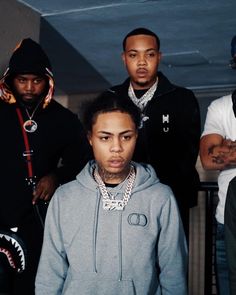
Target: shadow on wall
(73, 73)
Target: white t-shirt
(220, 120)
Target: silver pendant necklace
(110, 203)
(31, 125)
(142, 101)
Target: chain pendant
(109, 203)
(142, 101)
(113, 205)
(30, 126)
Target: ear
(89, 138)
(123, 58)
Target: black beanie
(29, 57)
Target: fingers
(35, 198)
(45, 197)
(41, 193)
(45, 188)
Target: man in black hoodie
(42, 146)
(170, 130)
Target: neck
(142, 86)
(113, 178)
(29, 105)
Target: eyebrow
(110, 133)
(23, 76)
(149, 49)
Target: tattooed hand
(225, 153)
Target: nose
(116, 146)
(142, 60)
(29, 86)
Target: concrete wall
(17, 22)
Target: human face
(141, 58)
(29, 88)
(113, 137)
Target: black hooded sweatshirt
(59, 144)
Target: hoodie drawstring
(120, 246)
(95, 227)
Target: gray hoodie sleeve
(53, 265)
(172, 251)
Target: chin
(115, 170)
(142, 83)
(29, 101)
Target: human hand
(45, 188)
(225, 153)
(229, 143)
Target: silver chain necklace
(110, 203)
(30, 125)
(143, 100)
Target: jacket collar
(164, 85)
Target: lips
(141, 72)
(116, 163)
(28, 96)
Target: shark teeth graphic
(13, 248)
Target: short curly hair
(108, 102)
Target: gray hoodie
(88, 250)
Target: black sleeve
(186, 140)
(192, 132)
(76, 150)
(230, 233)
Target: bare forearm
(220, 157)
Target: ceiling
(83, 40)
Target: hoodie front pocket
(99, 286)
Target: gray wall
(17, 22)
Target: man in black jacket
(42, 146)
(170, 130)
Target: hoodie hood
(145, 177)
(27, 58)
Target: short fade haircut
(108, 102)
(141, 31)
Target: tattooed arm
(217, 153)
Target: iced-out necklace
(31, 125)
(108, 202)
(142, 101)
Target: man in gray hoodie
(115, 229)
